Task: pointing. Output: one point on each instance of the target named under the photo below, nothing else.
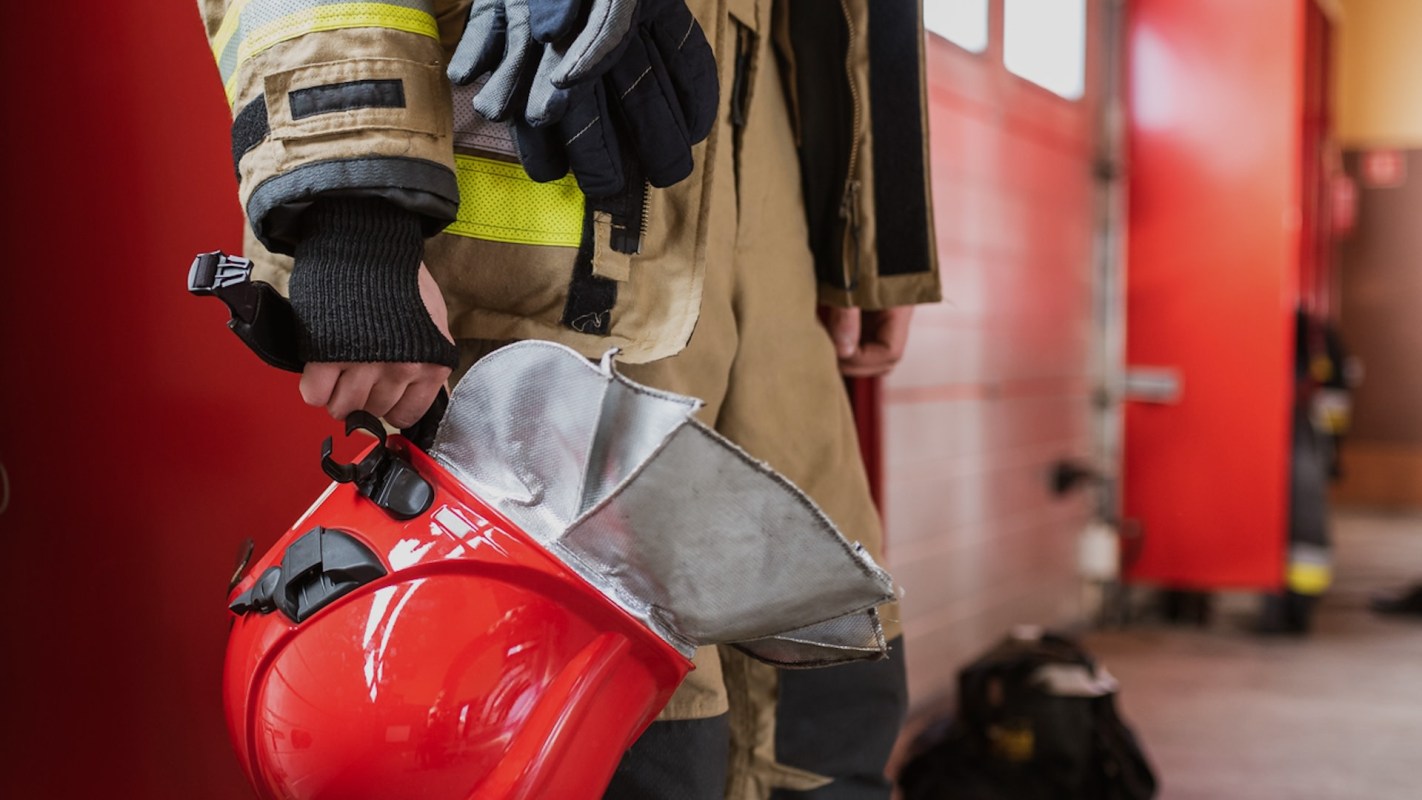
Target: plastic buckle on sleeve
(261, 317)
(229, 279)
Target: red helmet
(502, 617)
(445, 656)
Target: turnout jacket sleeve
(337, 99)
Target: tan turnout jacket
(350, 98)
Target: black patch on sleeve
(249, 129)
(900, 171)
(348, 96)
(590, 297)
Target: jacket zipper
(849, 201)
(642, 215)
(637, 199)
(849, 212)
(629, 217)
(628, 208)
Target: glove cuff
(355, 285)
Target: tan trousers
(766, 370)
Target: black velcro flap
(309, 102)
(900, 200)
(590, 297)
(249, 129)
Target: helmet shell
(479, 666)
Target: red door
(1216, 105)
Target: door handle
(1161, 385)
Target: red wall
(1215, 131)
(140, 442)
(996, 384)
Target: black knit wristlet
(355, 285)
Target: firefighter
(412, 238)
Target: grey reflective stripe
(425, 187)
(259, 13)
(1308, 553)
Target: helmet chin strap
(383, 474)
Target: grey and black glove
(355, 285)
(590, 84)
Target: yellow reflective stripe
(330, 17)
(1309, 578)
(334, 17)
(500, 203)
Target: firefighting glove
(653, 99)
(496, 42)
(355, 285)
(637, 81)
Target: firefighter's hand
(868, 343)
(401, 393)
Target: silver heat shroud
(665, 517)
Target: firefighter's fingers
(843, 325)
(387, 391)
(317, 381)
(419, 396)
(865, 368)
(352, 389)
(884, 345)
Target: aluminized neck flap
(664, 516)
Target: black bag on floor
(1036, 721)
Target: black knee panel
(841, 722)
(681, 759)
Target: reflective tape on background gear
(252, 26)
(1309, 579)
(1310, 569)
(500, 203)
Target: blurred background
(1171, 404)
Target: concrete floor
(1226, 714)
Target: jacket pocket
(353, 96)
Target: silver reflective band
(665, 517)
(269, 21)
